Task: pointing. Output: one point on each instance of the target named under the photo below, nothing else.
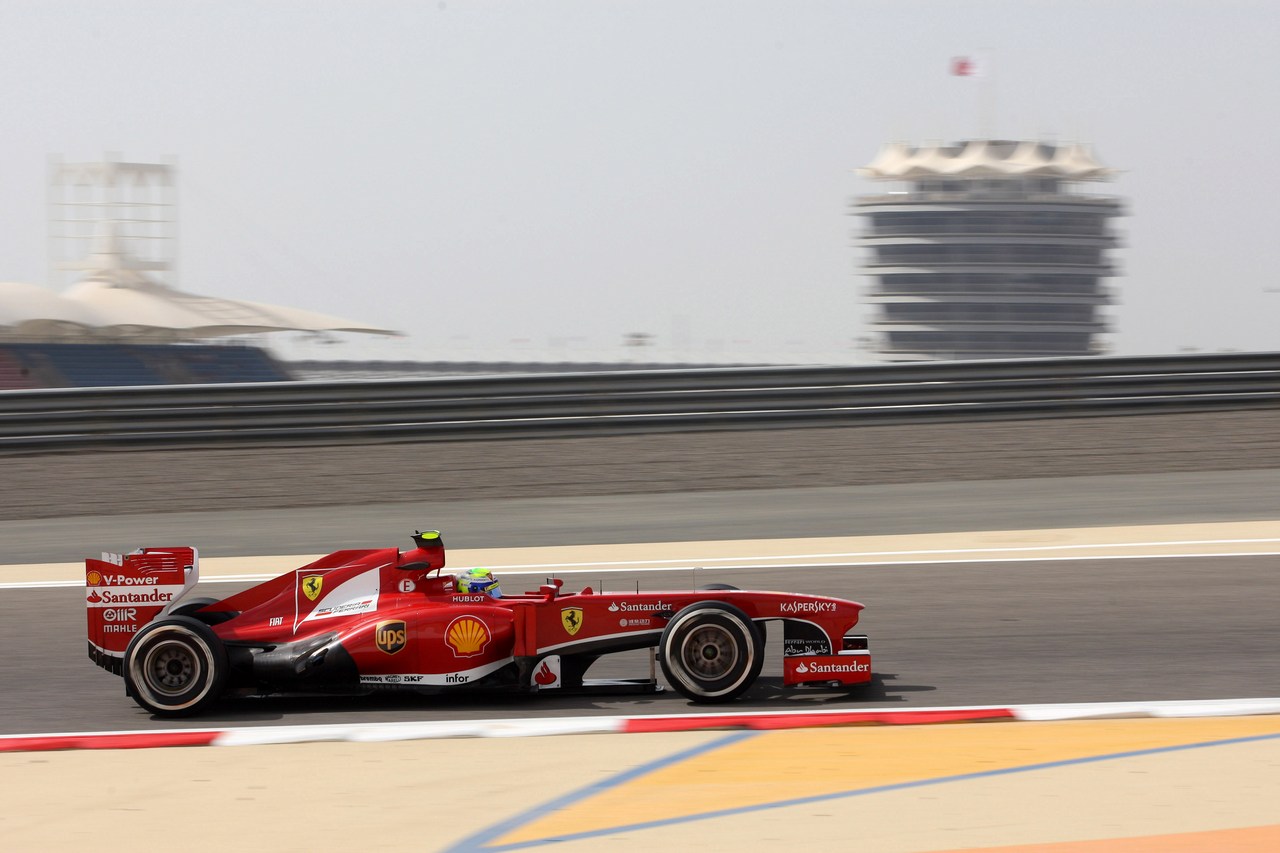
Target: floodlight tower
(113, 208)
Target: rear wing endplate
(123, 592)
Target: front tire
(715, 587)
(175, 667)
(711, 652)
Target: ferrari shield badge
(571, 618)
(311, 586)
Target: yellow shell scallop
(467, 635)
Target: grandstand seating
(40, 365)
(14, 374)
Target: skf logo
(571, 619)
(389, 637)
(467, 636)
(93, 578)
(311, 585)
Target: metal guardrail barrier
(541, 406)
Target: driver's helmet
(477, 581)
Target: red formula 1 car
(380, 619)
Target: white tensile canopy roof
(139, 308)
(30, 310)
(977, 158)
(117, 300)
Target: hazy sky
(543, 177)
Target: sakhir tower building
(987, 249)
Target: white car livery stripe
(437, 679)
(117, 596)
(353, 596)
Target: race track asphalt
(962, 634)
(879, 509)
(1062, 631)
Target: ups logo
(390, 637)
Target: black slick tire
(716, 587)
(175, 667)
(191, 607)
(711, 652)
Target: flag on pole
(966, 66)
(978, 67)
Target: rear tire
(191, 606)
(175, 667)
(711, 652)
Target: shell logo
(94, 578)
(467, 636)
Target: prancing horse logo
(311, 586)
(571, 618)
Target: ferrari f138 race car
(359, 621)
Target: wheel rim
(171, 667)
(709, 652)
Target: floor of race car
(1118, 786)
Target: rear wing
(123, 592)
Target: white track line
(932, 551)
(776, 561)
